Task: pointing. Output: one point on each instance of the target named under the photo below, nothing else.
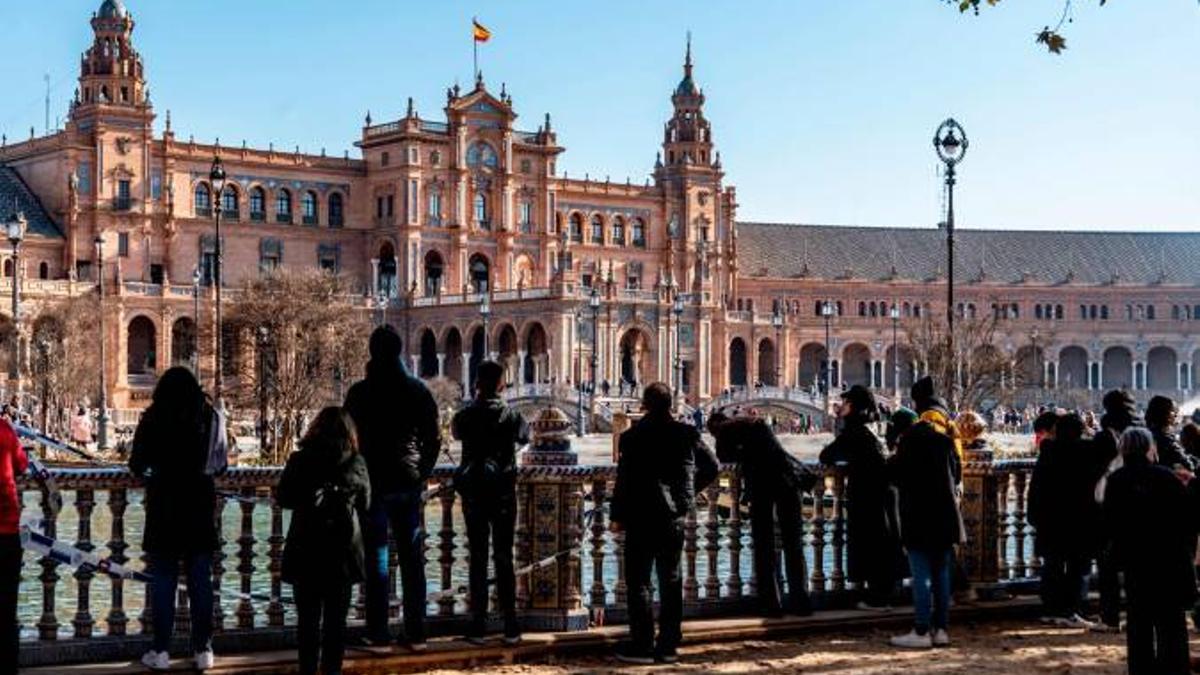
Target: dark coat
(1152, 523)
(308, 554)
(170, 452)
(1062, 498)
(1170, 452)
(397, 422)
(662, 465)
(490, 432)
(926, 471)
(765, 466)
(872, 519)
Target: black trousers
(1157, 638)
(658, 546)
(1064, 583)
(765, 507)
(493, 520)
(1109, 581)
(10, 579)
(321, 606)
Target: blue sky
(823, 110)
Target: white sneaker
(865, 607)
(156, 660)
(204, 660)
(941, 638)
(1076, 621)
(913, 640)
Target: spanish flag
(481, 33)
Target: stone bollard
(981, 516)
(550, 523)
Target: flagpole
(474, 49)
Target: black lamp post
(827, 314)
(196, 320)
(594, 304)
(950, 142)
(895, 314)
(677, 310)
(102, 415)
(777, 322)
(581, 421)
(485, 313)
(15, 229)
(216, 176)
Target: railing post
(599, 593)
(218, 566)
(446, 553)
(553, 515)
(245, 608)
(1019, 566)
(118, 500)
(48, 623)
(817, 578)
(275, 566)
(733, 582)
(712, 544)
(691, 586)
(837, 576)
(85, 501)
(981, 516)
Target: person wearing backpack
(177, 450)
(326, 486)
(491, 433)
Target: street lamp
(15, 228)
(950, 142)
(216, 176)
(102, 417)
(895, 314)
(485, 313)
(196, 321)
(827, 314)
(581, 421)
(677, 310)
(262, 387)
(594, 303)
(777, 322)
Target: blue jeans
(164, 571)
(931, 576)
(402, 511)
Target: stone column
(441, 357)
(466, 372)
(1099, 375)
(981, 517)
(374, 277)
(416, 364)
(550, 507)
(520, 368)
(1137, 382)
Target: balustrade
(717, 572)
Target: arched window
(308, 207)
(336, 211)
(434, 203)
(597, 229)
(229, 203)
(639, 233)
(576, 227)
(43, 270)
(618, 231)
(433, 273)
(8, 267)
(862, 309)
(283, 206)
(258, 204)
(481, 210)
(480, 275)
(203, 201)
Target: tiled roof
(880, 253)
(15, 193)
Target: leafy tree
(1053, 40)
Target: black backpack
(334, 518)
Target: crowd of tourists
(1122, 496)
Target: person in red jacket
(13, 462)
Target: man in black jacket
(1120, 413)
(398, 436)
(491, 433)
(772, 483)
(662, 465)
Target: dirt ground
(988, 649)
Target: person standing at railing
(926, 471)
(327, 488)
(81, 428)
(772, 483)
(661, 467)
(491, 433)
(1152, 522)
(173, 453)
(398, 436)
(13, 463)
(873, 547)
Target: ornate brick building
(656, 279)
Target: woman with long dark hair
(171, 450)
(328, 489)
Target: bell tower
(111, 74)
(688, 136)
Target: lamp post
(216, 176)
(381, 303)
(581, 422)
(827, 314)
(895, 314)
(102, 416)
(777, 322)
(594, 304)
(677, 310)
(196, 321)
(950, 142)
(485, 313)
(262, 387)
(15, 228)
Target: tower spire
(687, 59)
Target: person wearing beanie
(901, 421)
(873, 547)
(1063, 508)
(399, 437)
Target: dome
(113, 9)
(687, 87)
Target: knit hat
(900, 422)
(921, 392)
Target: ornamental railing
(578, 580)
